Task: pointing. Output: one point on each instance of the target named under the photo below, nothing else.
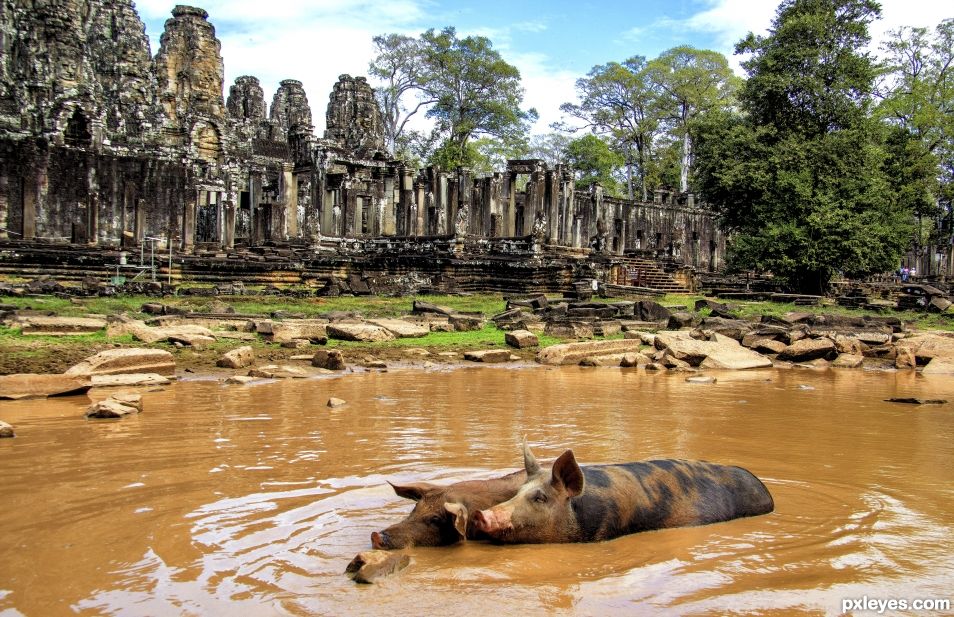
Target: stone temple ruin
(107, 152)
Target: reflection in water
(251, 500)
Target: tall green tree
(691, 82)
(400, 71)
(918, 99)
(463, 84)
(475, 91)
(594, 161)
(800, 179)
(618, 100)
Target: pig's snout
(492, 521)
(380, 541)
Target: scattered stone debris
(521, 339)
(334, 402)
(488, 355)
(701, 379)
(240, 379)
(116, 406)
(129, 379)
(274, 371)
(362, 332)
(240, 357)
(331, 359)
(369, 566)
(135, 360)
(6, 430)
(29, 386)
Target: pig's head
(434, 521)
(540, 511)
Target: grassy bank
(56, 353)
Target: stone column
(406, 199)
(228, 235)
(139, 220)
(254, 197)
(188, 221)
(33, 191)
(552, 206)
(92, 218)
(509, 204)
(350, 198)
(4, 207)
(290, 197)
(421, 215)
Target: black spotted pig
(444, 515)
(600, 502)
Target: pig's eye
(435, 520)
(540, 497)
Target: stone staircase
(642, 272)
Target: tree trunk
(684, 168)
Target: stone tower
(246, 100)
(290, 108)
(190, 74)
(354, 118)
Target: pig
(443, 515)
(600, 502)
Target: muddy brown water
(252, 499)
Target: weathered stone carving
(246, 99)
(354, 118)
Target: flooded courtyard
(252, 499)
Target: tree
(463, 84)
(801, 179)
(475, 91)
(594, 161)
(618, 100)
(918, 100)
(691, 82)
(399, 66)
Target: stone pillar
(34, 190)
(4, 207)
(509, 204)
(441, 209)
(254, 199)
(188, 221)
(568, 207)
(290, 197)
(552, 206)
(421, 214)
(350, 214)
(385, 207)
(92, 218)
(406, 200)
(139, 220)
(493, 210)
(228, 235)
(455, 193)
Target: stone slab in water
(369, 566)
(29, 385)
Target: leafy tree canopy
(802, 179)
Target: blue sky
(552, 42)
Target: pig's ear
(415, 490)
(567, 474)
(459, 512)
(529, 461)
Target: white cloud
(546, 87)
(728, 21)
